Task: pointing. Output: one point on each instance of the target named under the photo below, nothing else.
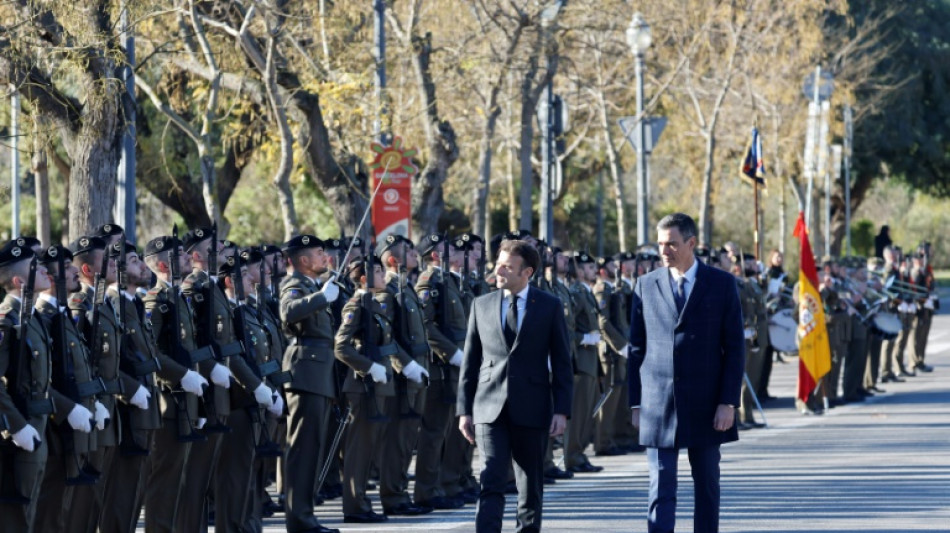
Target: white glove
(414, 372)
(456, 358)
(193, 382)
(264, 395)
(200, 423)
(591, 339)
(277, 408)
(748, 333)
(80, 419)
(330, 290)
(25, 437)
(140, 398)
(625, 351)
(221, 376)
(102, 415)
(378, 372)
(929, 304)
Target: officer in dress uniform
(404, 411)
(69, 439)
(587, 339)
(305, 315)
(171, 321)
(444, 312)
(25, 400)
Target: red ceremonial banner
(392, 207)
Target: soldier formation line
(186, 378)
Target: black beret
(252, 255)
(107, 230)
(53, 253)
(302, 242)
(87, 244)
(131, 248)
(334, 244)
(194, 237)
(432, 243)
(583, 258)
(625, 256)
(229, 266)
(602, 262)
(12, 253)
(471, 237)
(389, 241)
(160, 244)
(269, 249)
(554, 250)
(28, 242)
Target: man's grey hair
(681, 221)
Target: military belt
(112, 386)
(91, 388)
(279, 378)
(388, 349)
(268, 368)
(146, 367)
(454, 334)
(419, 350)
(201, 354)
(40, 407)
(311, 342)
(4, 423)
(230, 349)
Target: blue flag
(753, 166)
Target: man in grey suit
(685, 372)
(508, 399)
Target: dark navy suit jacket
(493, 376)
(683, 366)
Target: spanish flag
(814, 350)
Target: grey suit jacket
(493, 376)
(683, 366)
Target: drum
(783, 331)
(887, 325)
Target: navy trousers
(704, 464)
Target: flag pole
(755, 235)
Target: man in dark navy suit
(515, 386)
(685, 372)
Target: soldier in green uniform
(305, 315)
(732, 262)
(587, 339)
(69, 439)
(444, 312)
(756, 350)
(103, 335)
(24, 392)
(626, 436)
(139, 416)
(404, 411)
(856, 362)
(614, 327)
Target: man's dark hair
(681, 221)
(524, 250)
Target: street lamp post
(639, 38)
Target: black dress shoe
(322, 529)
(407, 509)
(466, 497)
(610, 452)
(547, 481)
(585, 468)
(877, 389)
(557, 473)
(906, 374)
(441, 502)
(636, 448)
(852, 399)
(511, 488)
(924, 368)
(369, 517)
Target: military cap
(53, 253)
(195, 237)
(107, 230)
(160, 244)
(583, 257)
(334, 244)
(432, 243)
(269, 249)
(388, 242)
(702, 252)
(28, 242)
(471, 237)
(84, 245)
(302, 242)
(602, 262)
(462, 241)
(624, 256)
(226, 268)
(252, 255)
(12, 253)
(554, 250)
(131, 248)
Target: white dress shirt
(521, 303)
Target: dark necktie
(680, 295)
(511, 320)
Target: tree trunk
(40, 171)
(525, 150)
(706, 208)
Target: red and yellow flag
(814, 350)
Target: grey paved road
(882, 465)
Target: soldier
(405, 410)
(733, 262)
(139, 416)
(756, 353)
(69, 439)
(922, 276)
(587, 339)
(181, 386)
(852, 389)
(24, 390)
(625, 435)
(305, 314)
(614, 327)
(98, 323)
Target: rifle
(448, 395)
(186, 431)
(402, 387)
(370, 342)
(264, 446)
(98, 299)
(271, 368)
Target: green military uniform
(839, 335)
(24, 387)
(367, 399)
(614, 328)
(444, 312)
(171, 448)
(558, 288)
(125, 485)
(924, 280)
(581, 427)
(305, 314)
(68, 449)
(750, 317)
(625, 435)
(856, 361)
(405, 411)
(89, 500)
